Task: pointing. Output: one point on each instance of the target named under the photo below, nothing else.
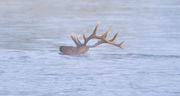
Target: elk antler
(102, 38)
(76, 40)
(93, 35)
(81, 48)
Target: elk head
(83, 47)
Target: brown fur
(73, 51)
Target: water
(32, 30)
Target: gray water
(31, 32)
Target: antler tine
(78, 40)
(93, 35)
(75, 40)
(120, 45)
(105, 34)
(114, 37)
(113, 43)
(84, 37)
(94, 32)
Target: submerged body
(73, 51)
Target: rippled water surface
(31, 32)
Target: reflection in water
(32, 30)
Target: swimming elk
(83, 47)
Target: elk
(83, 47)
